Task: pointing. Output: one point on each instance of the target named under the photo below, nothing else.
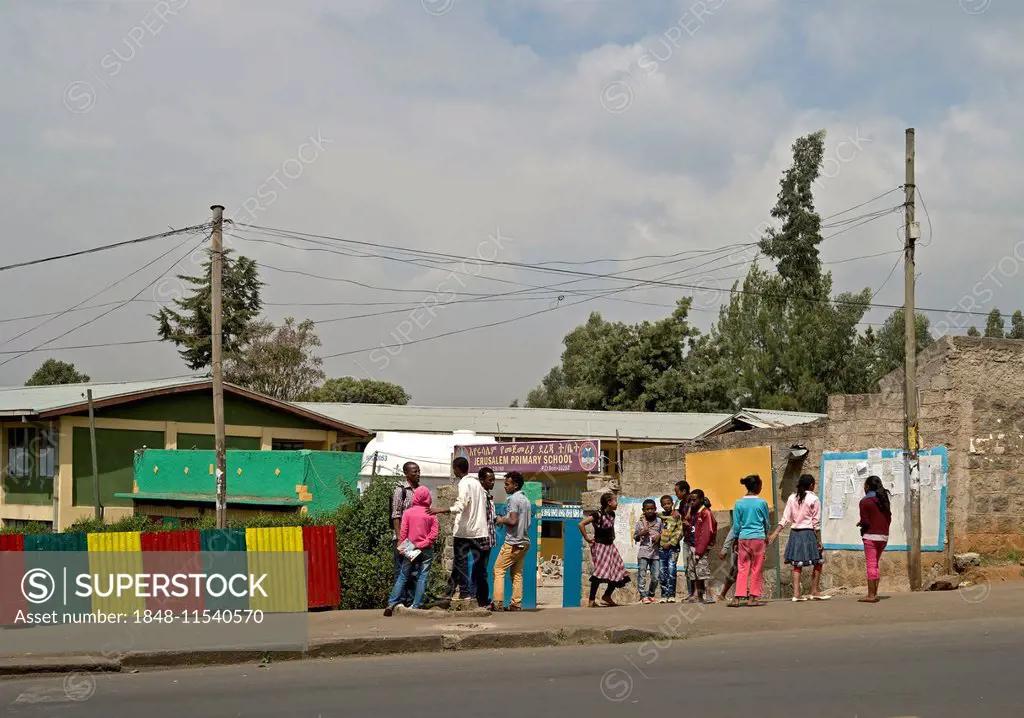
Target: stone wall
(971, 400)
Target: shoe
(389, 611)
(821, 598)
(797, 599)
(708, 602)
(670, 600)
(514, 608)
(495, 608)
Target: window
(31, 453)
(551, 529)
(281, 445)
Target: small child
(698, 564)
(671, 535)
(647, 533)
(608, 566)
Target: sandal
(797, 599)
(735, 603)
(867, 599)
(757, 603)
(821, 598)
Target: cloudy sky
(520, 131)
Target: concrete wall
(971, 400)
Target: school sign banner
(563, 457)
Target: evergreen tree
(188, 325)
(994, 326)
(1017, 325)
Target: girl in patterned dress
(608, 565)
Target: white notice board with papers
(842, 489)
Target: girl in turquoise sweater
(751, 524)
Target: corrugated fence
(289, 588)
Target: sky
(534, 143)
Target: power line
(104, 248)
(862, 204)
(114, 309)
(128, 276)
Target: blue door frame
(572, 551)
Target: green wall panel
(28, 491)
(116, 451)
(197, 408)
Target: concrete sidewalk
(353, 633)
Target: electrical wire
(105, 247)
(58, 315)
(114, 309)
(927, 216)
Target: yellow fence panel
(112, 555)
(278, 553)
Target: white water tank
(433, 453)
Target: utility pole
(216, 326)
(912, 470)
(97, 506)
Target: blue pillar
(572, 565)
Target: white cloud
(446, 127)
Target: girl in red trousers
(752, 523)
(875, 518)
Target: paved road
(949, 669)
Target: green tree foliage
(349, 390)
(1017, 325)
(890, 348)
(780, 341)
(623, 367)
(994, 325)
(277, 360)
(53, 371)
(973, 332)
(188, 324)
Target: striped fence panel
(112, 555)
(273, 552)
(173, 552)
(323, 582)
(12, 565)
(291, 584)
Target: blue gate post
(572, 564)
(529, 563)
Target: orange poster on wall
(718, 474)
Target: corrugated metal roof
(780, 418)
(48, 401)
(523, 422)
(17, 400)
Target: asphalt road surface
(929, 670)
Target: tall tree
(1017, 325)
(994, 326)
(624, 367)
(53, 371)
(782, 342)
(277, 360)
(189, 324)
(890, 348)
(348, 390)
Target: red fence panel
(12, 571)
(12, 542)
(172, 552)
(323, 584)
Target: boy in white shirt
(470, 536)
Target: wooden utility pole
(912, 470)
(216, 331)
(97, 506)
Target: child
(684, 508)
(875, 520)
(729, 548)
(647, 533)
(803, 512)
(671, 534)
(698, 564)
(752, 524)
(608, 565)
(420, 528)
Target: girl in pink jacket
(420, 529)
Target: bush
(30, 529)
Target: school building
(45, 440)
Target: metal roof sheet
(16, 400)
(523, 423)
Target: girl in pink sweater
(803, 513)
(420, 529)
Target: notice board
(842, 489)
(629, 512)
(718, 474)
